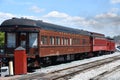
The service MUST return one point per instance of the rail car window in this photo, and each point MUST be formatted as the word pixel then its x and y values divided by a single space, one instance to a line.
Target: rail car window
pixel 83 41
pixel 11 40
pixel 23 39
pixel 44 40
pixel 57 40
pixel 78 41
pixel 62 41
pixel 66 41
pixel 75 41
pixel 52 40
pixel 33 40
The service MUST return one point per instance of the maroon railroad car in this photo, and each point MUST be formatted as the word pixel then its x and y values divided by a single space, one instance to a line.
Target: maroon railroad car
pixel 43 41
pixel 101 44
pixel 110 45
pixel 50 43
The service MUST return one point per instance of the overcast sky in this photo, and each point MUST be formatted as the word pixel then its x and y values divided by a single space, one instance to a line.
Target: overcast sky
pixel 101 16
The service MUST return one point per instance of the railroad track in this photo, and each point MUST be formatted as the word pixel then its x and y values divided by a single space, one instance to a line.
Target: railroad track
pixel 102 75
pixel 67 73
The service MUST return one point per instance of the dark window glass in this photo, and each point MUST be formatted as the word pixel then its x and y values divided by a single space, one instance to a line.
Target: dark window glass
pixel 52 40
pixel 44 40
pixel 57 41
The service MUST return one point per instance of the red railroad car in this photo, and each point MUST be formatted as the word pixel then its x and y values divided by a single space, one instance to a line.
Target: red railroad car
pixel 48 43
pixel 101 44
pixel 110 45
pixel 43 41
pixel 60 43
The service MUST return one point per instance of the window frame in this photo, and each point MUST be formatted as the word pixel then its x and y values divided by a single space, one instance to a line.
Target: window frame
pixel 44 40
pixel 11 44
pixel 52 40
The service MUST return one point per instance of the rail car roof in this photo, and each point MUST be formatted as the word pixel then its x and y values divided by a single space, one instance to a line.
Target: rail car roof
pixel 42 25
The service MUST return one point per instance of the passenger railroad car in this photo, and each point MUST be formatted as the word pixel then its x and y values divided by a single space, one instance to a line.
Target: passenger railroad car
pixel 49 43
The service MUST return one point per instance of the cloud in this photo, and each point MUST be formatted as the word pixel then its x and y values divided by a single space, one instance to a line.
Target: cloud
pixel 106 23
pixel 108 19
pixel 65 19
pixel 106 16
pixel 115 1
pixel 37 9
pixel 56 14
pixel 4 16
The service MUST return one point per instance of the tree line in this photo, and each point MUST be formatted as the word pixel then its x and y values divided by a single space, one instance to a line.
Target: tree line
pixel 1 39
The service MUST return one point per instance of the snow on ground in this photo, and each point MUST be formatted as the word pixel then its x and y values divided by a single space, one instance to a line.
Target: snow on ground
pixel 113 76
pixel 77 77
pixel 61 66
pixel 92 73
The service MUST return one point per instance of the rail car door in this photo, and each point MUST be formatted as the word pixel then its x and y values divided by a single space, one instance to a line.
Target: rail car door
pixel 33 44
pixel 23 39
pixel 33 40
pixel 29 41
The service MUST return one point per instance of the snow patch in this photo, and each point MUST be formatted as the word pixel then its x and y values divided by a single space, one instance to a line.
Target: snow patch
pixel 92 73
